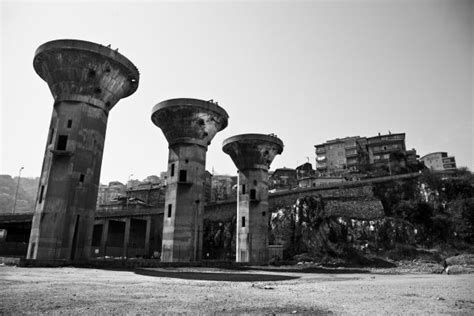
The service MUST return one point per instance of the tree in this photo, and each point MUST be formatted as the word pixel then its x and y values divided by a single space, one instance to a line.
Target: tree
pixel 461 212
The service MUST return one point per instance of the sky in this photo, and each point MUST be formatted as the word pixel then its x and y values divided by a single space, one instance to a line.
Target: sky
pixel 307 71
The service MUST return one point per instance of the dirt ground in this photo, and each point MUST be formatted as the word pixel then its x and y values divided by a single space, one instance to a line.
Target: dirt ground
pixel 218 291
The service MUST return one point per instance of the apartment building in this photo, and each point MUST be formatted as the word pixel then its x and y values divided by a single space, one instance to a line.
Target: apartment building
pixel 439 161
pixel 383 148
pixel 340 155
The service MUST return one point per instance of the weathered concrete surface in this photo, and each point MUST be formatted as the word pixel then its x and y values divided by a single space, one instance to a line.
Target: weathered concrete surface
pixel 189 125
pixel 86 81
pixel 91 291
pixel 252 151
pixel 252 154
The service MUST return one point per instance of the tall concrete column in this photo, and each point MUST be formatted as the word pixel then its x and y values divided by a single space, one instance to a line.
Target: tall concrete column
pixel 126 237
pixel 104 237
pixel 86 81
pixel 189 125
pixel 147 235
pixel 252 154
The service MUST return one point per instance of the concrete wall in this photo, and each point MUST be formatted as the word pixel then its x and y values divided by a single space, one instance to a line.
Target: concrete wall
pixel 356 202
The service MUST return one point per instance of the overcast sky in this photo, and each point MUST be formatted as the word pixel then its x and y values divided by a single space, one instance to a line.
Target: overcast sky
pixel 305 71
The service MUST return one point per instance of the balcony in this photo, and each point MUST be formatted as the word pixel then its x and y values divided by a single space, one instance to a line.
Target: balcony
pixel 321 166
pixel 387 139
pixel 449 166
pixel 379 150
pixel 380 159
pixel 352 162
pixel 350 145
pixel 320 150
pixel 449 160
pixel 351 153
pixel 58 153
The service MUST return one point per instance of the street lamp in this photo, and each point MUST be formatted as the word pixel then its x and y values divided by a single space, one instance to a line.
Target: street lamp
pixel 16 193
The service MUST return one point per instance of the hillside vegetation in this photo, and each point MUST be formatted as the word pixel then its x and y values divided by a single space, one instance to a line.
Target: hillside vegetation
pixel 430 217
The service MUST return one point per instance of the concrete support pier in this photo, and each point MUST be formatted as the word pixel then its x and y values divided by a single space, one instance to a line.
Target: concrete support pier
pixel 86 81
pixel 252 154
pixel 189 125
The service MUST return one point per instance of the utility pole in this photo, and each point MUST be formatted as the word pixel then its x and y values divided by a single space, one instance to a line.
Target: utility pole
pixel 237 241
pixel 127 189
pixel 16 193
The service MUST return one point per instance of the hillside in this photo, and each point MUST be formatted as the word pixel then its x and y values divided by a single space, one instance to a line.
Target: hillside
pixel 26 194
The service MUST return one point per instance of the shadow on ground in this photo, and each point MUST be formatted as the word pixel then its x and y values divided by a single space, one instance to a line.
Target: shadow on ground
pixel 214 276
pixel 321 270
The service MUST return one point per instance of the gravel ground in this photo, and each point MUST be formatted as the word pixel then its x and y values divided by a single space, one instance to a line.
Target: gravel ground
pixel 218 291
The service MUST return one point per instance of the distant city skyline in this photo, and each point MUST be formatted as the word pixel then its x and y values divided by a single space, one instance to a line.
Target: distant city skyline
pixel 307 71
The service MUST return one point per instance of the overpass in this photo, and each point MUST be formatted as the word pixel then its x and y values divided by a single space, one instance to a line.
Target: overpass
pixel 137 229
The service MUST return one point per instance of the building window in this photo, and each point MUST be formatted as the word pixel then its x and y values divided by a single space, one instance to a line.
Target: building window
pixel 81 178
pixel 51 136
pixel 263 213
pixel 41 194
pixel 243 221
pixel 253 194
pixel 62 142
pixel 172 170
pixel 170 208
pixel 182 175
pixel 69 123
pixel 243 188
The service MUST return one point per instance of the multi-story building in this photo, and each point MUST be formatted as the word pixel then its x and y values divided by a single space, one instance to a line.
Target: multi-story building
pixel 412 157
pixel 304 170
pixel 383 149
pixel 110 192
pixel 341 155
pixel 283 178
pixel 439 161
pixel 116 190
pixel 354 157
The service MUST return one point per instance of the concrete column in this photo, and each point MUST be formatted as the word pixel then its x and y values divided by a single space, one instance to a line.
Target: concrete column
pixel 126 237
pixel 252 154
pixel 147 235
pixel 103 239
pixel 189 125
pixel 86 81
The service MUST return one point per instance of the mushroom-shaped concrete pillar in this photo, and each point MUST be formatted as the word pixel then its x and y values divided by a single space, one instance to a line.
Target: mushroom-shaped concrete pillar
pixel 86 80
pixel 252 154
pixel 189 126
